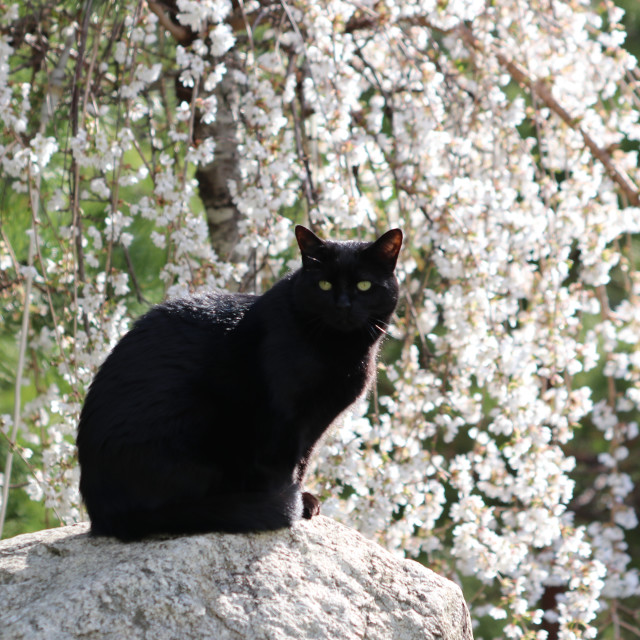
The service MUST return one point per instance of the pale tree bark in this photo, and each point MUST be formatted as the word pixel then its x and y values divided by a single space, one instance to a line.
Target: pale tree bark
pixel 213 178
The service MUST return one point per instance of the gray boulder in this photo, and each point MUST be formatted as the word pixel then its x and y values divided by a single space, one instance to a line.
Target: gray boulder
pixel 318 580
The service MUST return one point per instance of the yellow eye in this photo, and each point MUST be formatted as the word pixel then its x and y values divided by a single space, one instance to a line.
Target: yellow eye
pixel 363 285
pixel 325 285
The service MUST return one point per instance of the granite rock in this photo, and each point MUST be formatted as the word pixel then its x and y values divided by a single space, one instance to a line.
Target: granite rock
pixel 318 580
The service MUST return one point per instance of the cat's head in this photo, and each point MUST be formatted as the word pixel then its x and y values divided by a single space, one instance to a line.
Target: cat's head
pixel 348 286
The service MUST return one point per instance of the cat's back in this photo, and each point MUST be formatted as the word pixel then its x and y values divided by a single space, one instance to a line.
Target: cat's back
pixel 166 360
pixel 179 332
pixel 213 312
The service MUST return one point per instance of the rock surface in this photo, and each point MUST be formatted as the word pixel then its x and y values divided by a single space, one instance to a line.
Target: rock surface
pixel 319 580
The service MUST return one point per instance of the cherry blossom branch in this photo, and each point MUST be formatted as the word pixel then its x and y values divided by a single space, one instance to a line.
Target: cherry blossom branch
pixel 180 33
pixel 540 89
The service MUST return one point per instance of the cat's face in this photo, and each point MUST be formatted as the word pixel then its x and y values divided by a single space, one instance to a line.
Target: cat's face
pixel 348 286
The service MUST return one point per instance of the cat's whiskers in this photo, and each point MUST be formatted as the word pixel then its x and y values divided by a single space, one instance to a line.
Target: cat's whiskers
pixel 380 325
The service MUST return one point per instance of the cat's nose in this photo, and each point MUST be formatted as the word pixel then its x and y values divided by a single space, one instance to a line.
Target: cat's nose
pixel 343 301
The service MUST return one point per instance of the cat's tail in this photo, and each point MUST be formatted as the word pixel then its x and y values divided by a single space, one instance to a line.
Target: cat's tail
pixel 231 513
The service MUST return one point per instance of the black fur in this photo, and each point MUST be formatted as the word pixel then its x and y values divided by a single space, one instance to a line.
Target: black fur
pixel 205 414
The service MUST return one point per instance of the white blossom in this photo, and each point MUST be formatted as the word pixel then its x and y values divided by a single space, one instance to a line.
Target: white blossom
pixel 496 135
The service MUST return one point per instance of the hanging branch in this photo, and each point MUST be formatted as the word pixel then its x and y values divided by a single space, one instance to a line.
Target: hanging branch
pixel 540 89
pixel 22 350
pixel 310 193
pixel 48 109
pixel 537 87
pixel 180 33
pixel 75 100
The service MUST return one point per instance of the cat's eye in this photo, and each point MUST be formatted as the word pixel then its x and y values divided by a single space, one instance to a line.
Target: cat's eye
pixel 325 285
pixel 364 285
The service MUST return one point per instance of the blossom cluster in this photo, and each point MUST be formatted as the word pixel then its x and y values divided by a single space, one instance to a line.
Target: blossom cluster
pixel 497 445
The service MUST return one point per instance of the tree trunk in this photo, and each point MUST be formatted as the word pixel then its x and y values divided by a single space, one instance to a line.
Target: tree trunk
pixel 213 178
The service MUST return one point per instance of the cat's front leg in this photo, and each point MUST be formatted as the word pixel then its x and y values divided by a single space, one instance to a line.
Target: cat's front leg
pixel 310 505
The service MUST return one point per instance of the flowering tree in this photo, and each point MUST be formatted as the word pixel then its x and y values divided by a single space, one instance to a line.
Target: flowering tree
pixel 153 148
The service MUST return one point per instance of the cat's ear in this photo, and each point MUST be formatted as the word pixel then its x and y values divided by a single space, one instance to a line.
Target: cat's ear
pixel 309 243
pixel 386 248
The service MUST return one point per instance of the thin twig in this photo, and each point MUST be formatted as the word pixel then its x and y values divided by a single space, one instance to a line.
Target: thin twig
pixel 75 168
pixel 22 349
pixel 310 193
pixel 134 279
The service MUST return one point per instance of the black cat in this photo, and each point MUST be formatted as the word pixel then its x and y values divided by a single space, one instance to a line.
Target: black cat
pixel 205 414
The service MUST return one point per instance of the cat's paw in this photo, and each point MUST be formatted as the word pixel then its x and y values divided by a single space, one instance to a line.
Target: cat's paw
pixel 310 505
